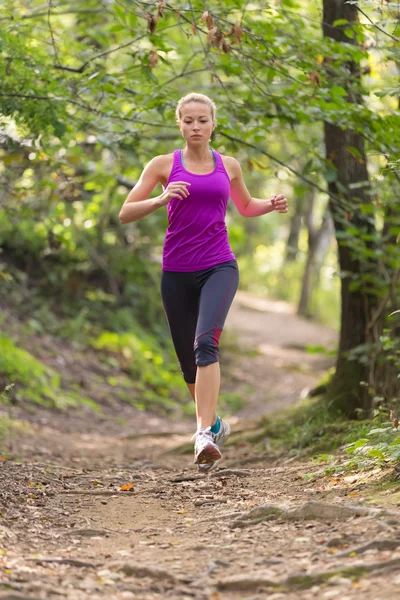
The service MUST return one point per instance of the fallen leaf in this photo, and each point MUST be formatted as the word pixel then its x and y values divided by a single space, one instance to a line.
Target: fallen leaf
pixel 126 487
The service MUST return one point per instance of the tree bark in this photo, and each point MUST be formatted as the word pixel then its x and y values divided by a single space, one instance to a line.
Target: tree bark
pixel 318 244
pixel 292 244
pixel 348 392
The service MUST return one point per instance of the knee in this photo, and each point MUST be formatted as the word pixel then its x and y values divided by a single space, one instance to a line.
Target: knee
pixel 206 348
pixel 188 371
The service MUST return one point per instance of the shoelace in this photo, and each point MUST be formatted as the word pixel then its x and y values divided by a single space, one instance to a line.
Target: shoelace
pixel 203 432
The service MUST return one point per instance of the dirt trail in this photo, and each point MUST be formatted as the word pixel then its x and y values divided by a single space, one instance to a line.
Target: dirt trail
pixel 68 531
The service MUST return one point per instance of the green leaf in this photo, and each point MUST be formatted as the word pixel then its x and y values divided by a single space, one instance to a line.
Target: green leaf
pixel 120 13
pixel 339 22
pixel 330 175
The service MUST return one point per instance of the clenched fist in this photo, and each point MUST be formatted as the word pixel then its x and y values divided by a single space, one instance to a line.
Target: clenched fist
pixel 175 189
pixel 279 203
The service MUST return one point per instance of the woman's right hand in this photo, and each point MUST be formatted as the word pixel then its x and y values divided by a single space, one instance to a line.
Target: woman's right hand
pixel 175 189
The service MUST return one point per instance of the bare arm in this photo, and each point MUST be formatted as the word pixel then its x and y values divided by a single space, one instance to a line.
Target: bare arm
pixel 248 206
pixel 138 204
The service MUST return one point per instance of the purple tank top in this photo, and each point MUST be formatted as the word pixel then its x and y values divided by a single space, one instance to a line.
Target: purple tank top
pixel 196 237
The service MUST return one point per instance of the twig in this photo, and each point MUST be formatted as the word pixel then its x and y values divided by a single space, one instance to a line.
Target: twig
pixel 65 561
pixel 393 37
pixel 210 502
pixel 378 544
pixel 53 41
pixel 280 162
pixel 229 472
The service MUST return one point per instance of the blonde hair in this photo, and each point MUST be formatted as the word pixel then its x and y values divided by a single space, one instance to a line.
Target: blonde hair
pixel 193 97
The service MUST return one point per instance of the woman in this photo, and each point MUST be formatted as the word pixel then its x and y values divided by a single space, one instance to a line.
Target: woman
pixel 199 272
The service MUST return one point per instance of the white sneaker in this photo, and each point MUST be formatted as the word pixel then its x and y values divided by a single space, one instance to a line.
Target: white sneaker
pixel 223 433
pixel 206 451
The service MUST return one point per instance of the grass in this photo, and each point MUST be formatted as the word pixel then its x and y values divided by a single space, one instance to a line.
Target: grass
pixel 33 381
pixel 310 431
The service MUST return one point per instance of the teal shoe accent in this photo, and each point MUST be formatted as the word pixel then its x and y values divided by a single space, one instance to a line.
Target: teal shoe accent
pixel 217 425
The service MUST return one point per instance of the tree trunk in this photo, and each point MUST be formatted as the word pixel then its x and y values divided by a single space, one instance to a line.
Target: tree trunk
pixel 348 392
pixel 300 210
pixel 318 244
pixel 387 371
pixel 292 244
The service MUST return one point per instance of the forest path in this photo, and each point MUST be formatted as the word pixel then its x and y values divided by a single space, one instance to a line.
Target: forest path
pixel 68 530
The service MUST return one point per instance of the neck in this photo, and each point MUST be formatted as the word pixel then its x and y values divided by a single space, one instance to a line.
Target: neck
pixel 197 153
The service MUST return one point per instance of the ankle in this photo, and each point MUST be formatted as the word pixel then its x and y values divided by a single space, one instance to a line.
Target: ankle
pixel 217 425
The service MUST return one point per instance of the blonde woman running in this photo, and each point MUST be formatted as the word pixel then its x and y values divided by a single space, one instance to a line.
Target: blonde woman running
pixel 199 272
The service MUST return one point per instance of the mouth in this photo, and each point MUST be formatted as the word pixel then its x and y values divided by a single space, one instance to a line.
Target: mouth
pixel 195 136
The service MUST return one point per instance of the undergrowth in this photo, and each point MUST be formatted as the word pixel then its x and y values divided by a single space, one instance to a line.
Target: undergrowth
pixel 137 366
pixel 33 380
pixel 311 430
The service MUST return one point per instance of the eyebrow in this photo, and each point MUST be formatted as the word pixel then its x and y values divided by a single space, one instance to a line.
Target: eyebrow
pixel 190 117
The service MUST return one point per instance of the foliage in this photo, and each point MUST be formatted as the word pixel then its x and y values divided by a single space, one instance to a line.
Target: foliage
pixel 380 446
pixel 33 381
pixel 159 380
pixel 267 274
pixel 88 97
pixel 312 429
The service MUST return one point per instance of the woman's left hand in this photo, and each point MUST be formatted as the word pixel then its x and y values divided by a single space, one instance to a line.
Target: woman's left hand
pixel 279 203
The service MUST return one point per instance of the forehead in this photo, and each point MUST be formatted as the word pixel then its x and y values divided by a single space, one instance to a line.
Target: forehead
pixel 195 109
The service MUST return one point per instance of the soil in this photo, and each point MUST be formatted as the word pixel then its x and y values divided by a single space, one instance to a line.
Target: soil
pixel 111 506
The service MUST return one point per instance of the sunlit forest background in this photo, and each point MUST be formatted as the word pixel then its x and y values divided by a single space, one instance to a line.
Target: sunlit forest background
pixel 307 96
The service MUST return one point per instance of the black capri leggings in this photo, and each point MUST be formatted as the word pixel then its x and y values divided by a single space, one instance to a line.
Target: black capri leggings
pixel 196 306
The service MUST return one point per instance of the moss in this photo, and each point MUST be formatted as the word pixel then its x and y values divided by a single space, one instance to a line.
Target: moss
pixel 384 492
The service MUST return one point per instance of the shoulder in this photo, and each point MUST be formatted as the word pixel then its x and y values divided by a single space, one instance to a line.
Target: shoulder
pixel 161 161
pixel 160 166
pixel 232 166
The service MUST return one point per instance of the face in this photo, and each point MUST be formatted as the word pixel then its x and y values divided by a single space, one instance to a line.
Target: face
pixel 196 122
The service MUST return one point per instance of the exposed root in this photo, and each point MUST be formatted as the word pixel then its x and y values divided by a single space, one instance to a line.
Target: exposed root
pixel 137 570
pixel 255 515
pixel 182 478
pixel 64 561
pixel 210 502
pixel 91 492
pixel 309 510
pixel 229 472
pixel 86 532
pixel 17 596
pixel 378 544
pixel 254 581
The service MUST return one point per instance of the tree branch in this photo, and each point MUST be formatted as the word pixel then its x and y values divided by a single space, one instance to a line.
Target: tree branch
pixel 393 37
pixel 53 41
pixel 82 68
pixel 64 12
pixel 280 162
pixel 88 108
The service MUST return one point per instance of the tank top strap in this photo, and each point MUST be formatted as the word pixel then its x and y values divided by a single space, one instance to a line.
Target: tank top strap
pixel 176 164
pixel 220 163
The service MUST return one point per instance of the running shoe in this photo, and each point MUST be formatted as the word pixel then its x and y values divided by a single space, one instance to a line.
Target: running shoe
pixel 223 433
pixel 219 438
pixel 206 451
